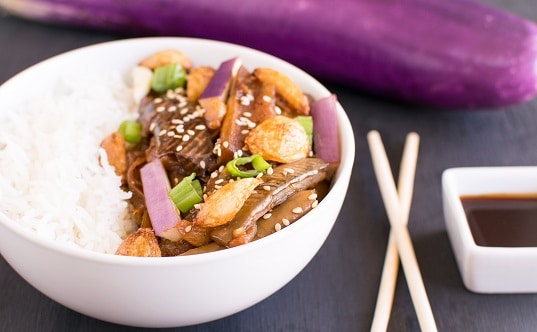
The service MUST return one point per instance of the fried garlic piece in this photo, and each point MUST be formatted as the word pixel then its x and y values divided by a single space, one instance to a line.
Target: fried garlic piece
pixel 166 57
pixel 115 147
pixel 142 243
pixel 280 139
pixel 286 87
pixel 198 78
pixel 223 204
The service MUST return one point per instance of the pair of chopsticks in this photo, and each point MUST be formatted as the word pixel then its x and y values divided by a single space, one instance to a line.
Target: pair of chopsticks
pixel 397 204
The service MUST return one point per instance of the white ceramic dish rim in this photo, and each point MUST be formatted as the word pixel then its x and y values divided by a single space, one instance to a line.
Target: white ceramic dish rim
pixel 344 170
pixel 456 205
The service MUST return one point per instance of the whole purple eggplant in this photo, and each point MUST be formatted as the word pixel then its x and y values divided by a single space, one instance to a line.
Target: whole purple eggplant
pixel 439 53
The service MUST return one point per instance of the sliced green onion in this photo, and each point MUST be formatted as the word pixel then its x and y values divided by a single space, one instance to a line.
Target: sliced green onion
pixel 131 131
pixel 258 163
pixel 187 193
pixel 168 77
pixel 307 122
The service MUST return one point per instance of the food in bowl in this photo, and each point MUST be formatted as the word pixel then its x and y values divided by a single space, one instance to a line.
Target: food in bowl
pixel 116 288
pixel 213 155
pixel 205 157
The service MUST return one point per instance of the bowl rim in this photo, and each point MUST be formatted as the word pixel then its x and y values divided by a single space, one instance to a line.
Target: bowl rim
pixel 339 184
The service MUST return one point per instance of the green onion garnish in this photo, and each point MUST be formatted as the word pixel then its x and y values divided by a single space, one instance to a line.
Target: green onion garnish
pixel 306 122
pixel 131 131
pixel 168 77
pixel 258 163
pixel 187 193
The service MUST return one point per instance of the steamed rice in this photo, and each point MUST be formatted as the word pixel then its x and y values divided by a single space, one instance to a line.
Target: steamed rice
pixel 51 180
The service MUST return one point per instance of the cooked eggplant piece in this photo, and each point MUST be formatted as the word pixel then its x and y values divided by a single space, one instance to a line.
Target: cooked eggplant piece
pixel 250 103
pixel 173 248
pixel 180 137
pixel 286 213
pixel 213 98
pixel 210 247
pixel 285 181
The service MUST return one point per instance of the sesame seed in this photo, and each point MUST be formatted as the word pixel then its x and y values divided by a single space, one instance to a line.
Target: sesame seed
pixel 177 121
pixel 225 144
pixel 239 123
pixel 177 136
pixel 277 227
pixel 278 110
pixel 245 101
pixel 152 126
pixel 183 111
pixel 239 153
pixel 247 114
pixel 188 228
pixel 267 98
pixel 315 203
pixel 202 164
pixel 160 109
pixel 270 171
pixel 179 148
pixel 162 132
pixel 298 210
pixel 245 131
pixel 259 175
pixel 217 186
pixel 267 188
pixel 312 197
pixel 214 174
pixel 191 132
pixel 157 100
pixel 232 180
pixel 197 206
pixel 200 127
pixel 219 152
pixel 267 215
pixel 221 169
pixel 170 133
pixel 170 94
pixel 285 222
pixel 179 129
pixel 186 138
pixel 205 196
pixel 172 108
pixel 289 170
pixel 218 181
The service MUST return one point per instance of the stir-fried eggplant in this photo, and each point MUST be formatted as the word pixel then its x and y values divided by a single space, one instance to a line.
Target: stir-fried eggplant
pixel 250 180
pixel 180 137
pixel 286 213
pixel 286 180
pixel 250 103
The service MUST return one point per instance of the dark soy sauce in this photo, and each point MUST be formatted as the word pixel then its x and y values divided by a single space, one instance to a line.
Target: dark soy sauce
pixel 502 220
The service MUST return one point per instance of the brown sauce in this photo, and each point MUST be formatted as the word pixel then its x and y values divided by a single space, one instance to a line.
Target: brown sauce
pixel 502 220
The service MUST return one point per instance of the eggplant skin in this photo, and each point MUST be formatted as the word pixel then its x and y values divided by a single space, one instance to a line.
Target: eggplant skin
pixel 436 53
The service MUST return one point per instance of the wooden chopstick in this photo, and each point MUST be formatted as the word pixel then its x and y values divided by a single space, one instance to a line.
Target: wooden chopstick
pixel 391 262
pixel 400 233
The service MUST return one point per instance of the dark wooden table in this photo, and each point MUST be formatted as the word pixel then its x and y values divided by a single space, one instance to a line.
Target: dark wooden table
pixel 337 290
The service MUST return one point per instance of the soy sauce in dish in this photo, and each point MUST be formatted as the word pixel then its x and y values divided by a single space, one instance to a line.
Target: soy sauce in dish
pixel 502 220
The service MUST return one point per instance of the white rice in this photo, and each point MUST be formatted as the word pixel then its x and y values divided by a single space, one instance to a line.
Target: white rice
pixel 51 180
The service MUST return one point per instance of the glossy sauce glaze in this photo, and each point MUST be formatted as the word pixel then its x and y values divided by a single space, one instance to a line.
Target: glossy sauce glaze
pixel 502 220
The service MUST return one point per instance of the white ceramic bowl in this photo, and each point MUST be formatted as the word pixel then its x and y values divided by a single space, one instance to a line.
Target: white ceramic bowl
pixel 186 290
pixel 488 269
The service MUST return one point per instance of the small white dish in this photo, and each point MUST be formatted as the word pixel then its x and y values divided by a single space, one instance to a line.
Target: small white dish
pixel 488 269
